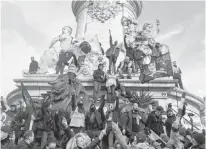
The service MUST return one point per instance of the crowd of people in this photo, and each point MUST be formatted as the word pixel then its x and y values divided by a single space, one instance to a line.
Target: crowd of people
pixel 41 126
pixel 116 128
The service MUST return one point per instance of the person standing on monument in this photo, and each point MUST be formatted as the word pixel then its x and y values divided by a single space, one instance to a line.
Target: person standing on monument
pixel 99 76
pixel 34 66
pixel 126 67
pixel 154 120
pixel 177 75
pixel 112 53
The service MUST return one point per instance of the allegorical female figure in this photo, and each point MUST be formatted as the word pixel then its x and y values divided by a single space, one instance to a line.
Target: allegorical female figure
pixel 51 56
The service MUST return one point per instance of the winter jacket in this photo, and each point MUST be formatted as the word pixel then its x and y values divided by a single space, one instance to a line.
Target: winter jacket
pixel 113 50
pixel 177 72
pixel 98 75
pixel 168 124
pixel 129 50
pixel 33 67
pixel 154 123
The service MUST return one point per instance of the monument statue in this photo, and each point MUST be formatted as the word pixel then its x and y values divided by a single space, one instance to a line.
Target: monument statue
pixel 50 57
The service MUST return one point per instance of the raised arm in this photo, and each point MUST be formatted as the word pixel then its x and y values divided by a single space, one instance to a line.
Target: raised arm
pixel 100 109
pixel 54 41
pixel 117 103
pixel 125 42
pixel 110 39
pixel 74 105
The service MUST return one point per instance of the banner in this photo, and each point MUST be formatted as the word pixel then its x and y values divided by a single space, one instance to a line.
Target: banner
pixel 27 98
pixel 158 67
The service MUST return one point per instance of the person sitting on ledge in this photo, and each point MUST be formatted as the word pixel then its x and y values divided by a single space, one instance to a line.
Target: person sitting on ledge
pixel 126 67
pixel 33 67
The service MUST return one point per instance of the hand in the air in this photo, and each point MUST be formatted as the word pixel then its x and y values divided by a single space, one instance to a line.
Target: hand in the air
pixel 115 127
pixel 103 133
pixel 64 122
pixel 32 117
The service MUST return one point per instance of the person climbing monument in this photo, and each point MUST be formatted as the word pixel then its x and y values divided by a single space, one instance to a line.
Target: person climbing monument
pixel 113 52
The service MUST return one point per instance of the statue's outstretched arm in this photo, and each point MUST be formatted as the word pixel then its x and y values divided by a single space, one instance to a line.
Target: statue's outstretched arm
pixel 54 41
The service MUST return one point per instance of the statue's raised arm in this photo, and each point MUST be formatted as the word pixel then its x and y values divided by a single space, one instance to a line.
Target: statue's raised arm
pixel 65 38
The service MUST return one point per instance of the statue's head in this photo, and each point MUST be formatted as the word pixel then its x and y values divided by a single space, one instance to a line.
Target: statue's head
pixel 67 29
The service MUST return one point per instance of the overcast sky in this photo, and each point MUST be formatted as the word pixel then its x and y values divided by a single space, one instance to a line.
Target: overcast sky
pixel 28 27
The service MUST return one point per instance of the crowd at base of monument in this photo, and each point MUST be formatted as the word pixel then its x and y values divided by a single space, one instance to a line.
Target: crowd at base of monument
pixel 61 121
pixel 40 126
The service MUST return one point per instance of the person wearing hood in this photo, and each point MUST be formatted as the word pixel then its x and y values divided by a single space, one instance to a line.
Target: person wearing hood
pixel 169 121
pixel 94 119
pixel 198 141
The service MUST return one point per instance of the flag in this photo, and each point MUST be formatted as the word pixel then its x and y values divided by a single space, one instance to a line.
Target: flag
pixel 153 136
pixel 27 98
pixel 158 67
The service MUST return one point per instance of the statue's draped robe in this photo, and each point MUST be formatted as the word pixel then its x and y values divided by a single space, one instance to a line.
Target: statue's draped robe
pixel 62 90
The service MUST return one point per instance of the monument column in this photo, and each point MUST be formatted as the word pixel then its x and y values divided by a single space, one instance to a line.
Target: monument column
pixel 79 8
pixel 81 24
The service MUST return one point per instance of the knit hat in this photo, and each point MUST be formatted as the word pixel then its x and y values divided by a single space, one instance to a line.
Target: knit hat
pixel 200 138
pixel 72 69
